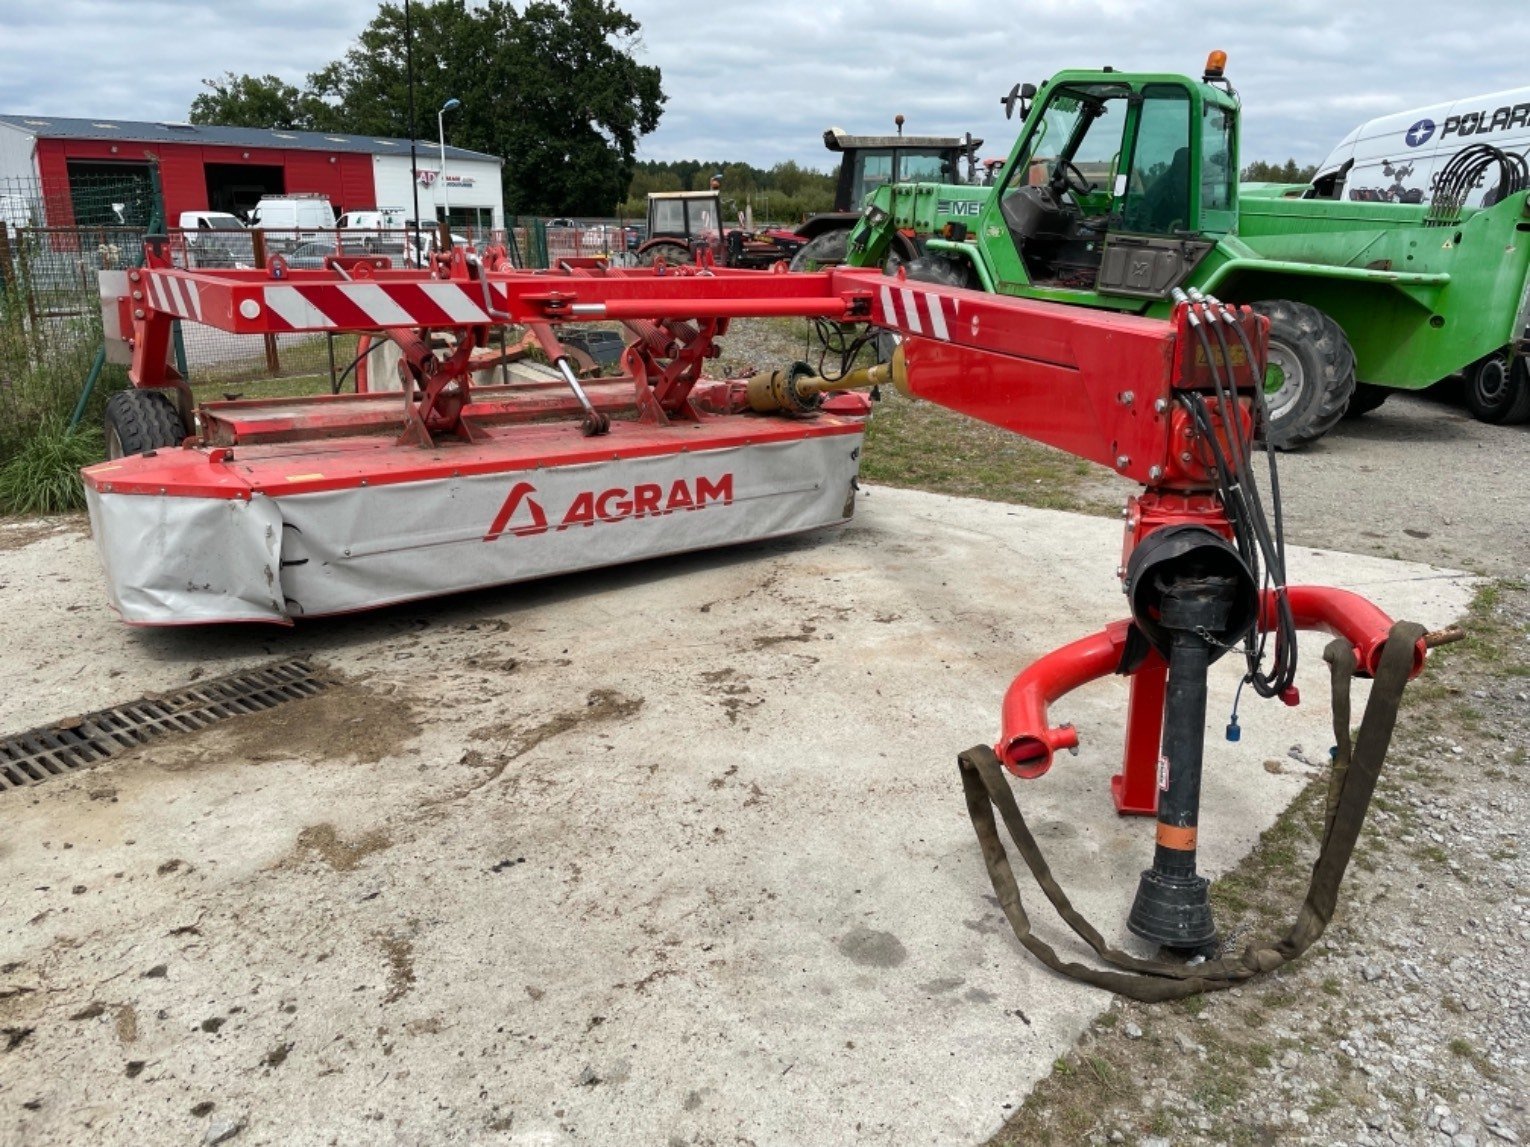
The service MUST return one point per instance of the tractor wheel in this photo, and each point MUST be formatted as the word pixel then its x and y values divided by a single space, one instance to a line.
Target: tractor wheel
pixel 138 421
pixel 1498 389
pixel 940 269
pixel 672 253
pixel 1367 397
pixel 826 250
pixel 1309 376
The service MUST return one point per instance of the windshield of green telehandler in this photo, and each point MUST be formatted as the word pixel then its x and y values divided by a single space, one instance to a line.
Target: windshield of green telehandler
pixel 1082 124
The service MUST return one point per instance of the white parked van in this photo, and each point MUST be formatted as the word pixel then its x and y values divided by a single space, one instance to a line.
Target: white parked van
pixel 293 217
pixel 216 239
pixel 381 219
pixel 1398 158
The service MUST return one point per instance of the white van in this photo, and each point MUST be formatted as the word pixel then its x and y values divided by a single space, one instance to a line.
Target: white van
pixel 1398 158
pixel 216 239
pixel 294 217
pixel 380 219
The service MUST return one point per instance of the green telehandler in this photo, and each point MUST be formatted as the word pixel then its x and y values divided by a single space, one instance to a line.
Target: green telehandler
pixel 1123 186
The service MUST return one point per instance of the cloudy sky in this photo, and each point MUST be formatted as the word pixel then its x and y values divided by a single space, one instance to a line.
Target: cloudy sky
pixel 759 82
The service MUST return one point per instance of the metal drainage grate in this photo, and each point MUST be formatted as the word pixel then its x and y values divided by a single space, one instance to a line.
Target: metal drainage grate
pixel 54 750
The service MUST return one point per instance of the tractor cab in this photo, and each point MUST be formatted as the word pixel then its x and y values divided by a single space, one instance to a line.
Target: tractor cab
pixel 1116 180
pixel 872 161
pixel 687 216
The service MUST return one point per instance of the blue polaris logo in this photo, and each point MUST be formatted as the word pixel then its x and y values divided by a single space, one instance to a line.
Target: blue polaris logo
pixel 1420 133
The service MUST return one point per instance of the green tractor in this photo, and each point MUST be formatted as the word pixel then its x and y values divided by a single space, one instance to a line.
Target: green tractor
pixel 868 162
pixel 1123 186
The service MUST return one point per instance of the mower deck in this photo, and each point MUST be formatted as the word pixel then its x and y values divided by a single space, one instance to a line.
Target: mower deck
pixel 268 530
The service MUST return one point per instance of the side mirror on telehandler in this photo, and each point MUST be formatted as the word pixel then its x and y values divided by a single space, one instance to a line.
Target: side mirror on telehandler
pixel 1021 94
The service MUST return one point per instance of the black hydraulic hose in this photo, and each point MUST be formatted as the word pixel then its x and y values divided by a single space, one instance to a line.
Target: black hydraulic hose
pixel 375 342
pixel 1252 531
pixel 1460 175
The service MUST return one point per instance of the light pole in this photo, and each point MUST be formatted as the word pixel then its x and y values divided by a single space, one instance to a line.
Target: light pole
pixel 450 105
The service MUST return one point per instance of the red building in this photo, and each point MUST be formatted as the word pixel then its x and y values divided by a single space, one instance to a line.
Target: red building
pixel 208 168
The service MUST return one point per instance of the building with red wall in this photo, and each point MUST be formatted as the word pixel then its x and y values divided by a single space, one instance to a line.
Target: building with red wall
pixel 205 167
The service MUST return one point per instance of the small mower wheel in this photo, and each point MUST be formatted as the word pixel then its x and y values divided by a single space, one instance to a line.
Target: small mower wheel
pixel 1367 397
pixel 138 421
pixel 826 250
pixel 1498 389
pixel 594 425
pixel 1309 376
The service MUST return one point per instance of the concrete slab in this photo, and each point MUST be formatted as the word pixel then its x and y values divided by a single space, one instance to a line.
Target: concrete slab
pixel 672 853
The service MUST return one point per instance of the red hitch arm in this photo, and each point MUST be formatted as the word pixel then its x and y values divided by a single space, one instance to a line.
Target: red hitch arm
pixel 1028 740
pixel 1343 614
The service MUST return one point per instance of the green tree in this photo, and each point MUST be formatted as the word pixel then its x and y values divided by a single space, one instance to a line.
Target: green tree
pixel 259 101
pixel 552 87
pixel 1288 172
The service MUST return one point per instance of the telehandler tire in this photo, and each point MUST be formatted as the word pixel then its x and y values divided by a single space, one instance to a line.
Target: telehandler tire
pixel 1498 389
pixel 1310 374
pixel 138 421
pixel 1367 397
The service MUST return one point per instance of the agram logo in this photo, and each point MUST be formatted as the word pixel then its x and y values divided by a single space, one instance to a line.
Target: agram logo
pixel 614 504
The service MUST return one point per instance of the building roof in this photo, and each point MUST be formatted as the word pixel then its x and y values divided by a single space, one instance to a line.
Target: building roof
pixel 141 131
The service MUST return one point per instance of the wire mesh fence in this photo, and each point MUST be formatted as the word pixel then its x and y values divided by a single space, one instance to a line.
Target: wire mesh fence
pixel 51 250
pixel 53 247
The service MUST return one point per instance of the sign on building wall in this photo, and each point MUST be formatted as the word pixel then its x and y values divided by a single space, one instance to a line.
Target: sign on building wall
pixel 429 178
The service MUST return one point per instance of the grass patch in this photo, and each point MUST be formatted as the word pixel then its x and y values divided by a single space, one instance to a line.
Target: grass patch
pixel 919 445
pixel 43 367
pixel 1192 1005
pixel 1463 1049
pixel 43 475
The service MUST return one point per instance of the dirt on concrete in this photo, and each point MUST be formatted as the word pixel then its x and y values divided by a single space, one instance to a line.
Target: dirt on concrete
pixel 349 721
pixel 18 532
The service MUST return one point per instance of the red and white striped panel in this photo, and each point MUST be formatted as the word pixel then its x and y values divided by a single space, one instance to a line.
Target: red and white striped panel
pixel 916 310
pixel 174 295
pixel 358 306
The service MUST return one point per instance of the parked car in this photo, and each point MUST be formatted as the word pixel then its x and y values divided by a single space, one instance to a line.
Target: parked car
pixel 310 256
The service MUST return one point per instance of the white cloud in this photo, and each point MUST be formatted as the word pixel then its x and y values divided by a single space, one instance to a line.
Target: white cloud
pixel 761 82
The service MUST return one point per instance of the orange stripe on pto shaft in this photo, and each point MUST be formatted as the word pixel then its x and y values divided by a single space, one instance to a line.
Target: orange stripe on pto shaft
pixel 1180 839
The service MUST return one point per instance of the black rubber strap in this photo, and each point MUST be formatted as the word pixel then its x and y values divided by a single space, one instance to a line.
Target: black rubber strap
pixel 1351 785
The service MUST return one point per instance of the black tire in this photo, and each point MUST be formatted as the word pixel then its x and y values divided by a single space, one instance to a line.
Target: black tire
pixel 826 250
pixel 1312 370
pixel 672 253
pixel 138 421
pixel 1367 397
pixel 940 269
pixel 1498 389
